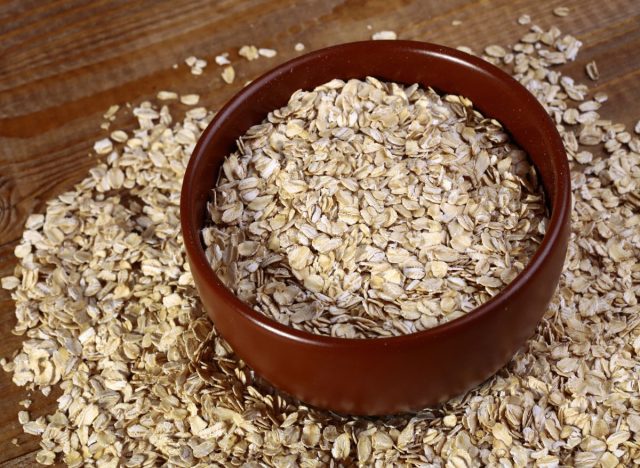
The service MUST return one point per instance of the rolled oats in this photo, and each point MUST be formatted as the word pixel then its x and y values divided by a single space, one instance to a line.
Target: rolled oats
pixel 228 74
pixel 195 64
pixel 561 11
pixel 167 95
pixel 106 260
pixel 384 35
pixel 342 211
pixel 250 52
pixel 222 59
pixel 189 99
pixel 269 53
pixel 103 146
pixel 592 70
pixel 524 19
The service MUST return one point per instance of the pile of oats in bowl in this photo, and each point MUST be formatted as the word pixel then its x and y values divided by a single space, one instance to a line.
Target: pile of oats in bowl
pixel 107 305
pixel 369 209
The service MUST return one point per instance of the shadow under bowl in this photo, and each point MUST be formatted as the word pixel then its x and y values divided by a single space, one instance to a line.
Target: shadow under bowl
pixel 403 373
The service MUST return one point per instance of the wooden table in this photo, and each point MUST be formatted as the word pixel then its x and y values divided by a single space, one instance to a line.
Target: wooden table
pixel 64 62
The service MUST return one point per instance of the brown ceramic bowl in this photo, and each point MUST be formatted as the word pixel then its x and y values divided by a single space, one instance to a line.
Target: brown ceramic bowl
pixel 385 375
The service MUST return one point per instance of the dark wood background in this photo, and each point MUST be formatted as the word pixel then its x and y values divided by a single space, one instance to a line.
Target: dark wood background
pixel 64 62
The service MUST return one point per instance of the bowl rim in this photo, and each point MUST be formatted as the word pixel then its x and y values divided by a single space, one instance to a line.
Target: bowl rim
pixel 560 203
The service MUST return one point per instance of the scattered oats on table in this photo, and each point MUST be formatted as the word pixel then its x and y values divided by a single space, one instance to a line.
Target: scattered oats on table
pixel 228 74
pixel 111 112
pixel 371 209
pixel 250 52
pixel 103 146
pixel 146 384
pixel 189 99
pixel 524 19
pixel 119 136
pixel 195 64
pixel 592 70
pixel 166 95
pixel 561 11
pixel 268 53
pixel 495 51
pixel 384 35
pixel 222 59
pixel 466 50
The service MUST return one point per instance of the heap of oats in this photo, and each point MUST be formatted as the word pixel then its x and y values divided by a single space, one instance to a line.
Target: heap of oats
pixel 106 302
pixel 366 209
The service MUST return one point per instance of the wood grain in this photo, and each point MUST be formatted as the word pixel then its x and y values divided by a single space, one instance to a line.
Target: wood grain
pixel 64 62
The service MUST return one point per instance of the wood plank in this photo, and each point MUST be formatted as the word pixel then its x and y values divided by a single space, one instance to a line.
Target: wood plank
pixel 64 62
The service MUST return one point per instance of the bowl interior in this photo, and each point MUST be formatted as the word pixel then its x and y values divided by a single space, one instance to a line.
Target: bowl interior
pixel 492 91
